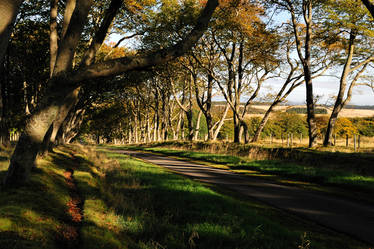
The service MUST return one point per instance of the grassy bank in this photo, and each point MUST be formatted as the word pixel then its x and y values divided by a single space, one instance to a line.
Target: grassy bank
pixel 324 177
pixel 360 162
pixel 131 204
pixel 172 211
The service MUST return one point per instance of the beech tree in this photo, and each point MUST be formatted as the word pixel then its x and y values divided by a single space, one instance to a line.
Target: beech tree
pixel 64 85
pixel 350 32
pixel 291 72
pixel 370 6
pixel 248 62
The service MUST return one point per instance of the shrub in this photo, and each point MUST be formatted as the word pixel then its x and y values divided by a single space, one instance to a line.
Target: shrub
pixel 303 110
pixel 344 127
pixel 289 123
pixel 365 127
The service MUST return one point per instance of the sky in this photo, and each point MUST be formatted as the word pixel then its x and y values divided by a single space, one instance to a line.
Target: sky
pixel 326 87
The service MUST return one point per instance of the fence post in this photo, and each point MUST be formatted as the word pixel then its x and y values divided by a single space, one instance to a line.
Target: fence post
pixel 282 138
pixel 335 139
pixel 359 141
pixel 354 142
pixel 346 140
pixel 288 140
pixel 291 139
pixel 271 138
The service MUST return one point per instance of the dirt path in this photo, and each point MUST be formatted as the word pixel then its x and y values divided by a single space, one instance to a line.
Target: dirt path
pixel 69 233
pixel 342 215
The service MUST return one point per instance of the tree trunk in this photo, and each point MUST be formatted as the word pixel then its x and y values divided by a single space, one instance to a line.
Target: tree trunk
pixel 245 131
pixel 8 13
pixel 197 127
pixel 190 126
pixel 339 102
pixel 4 129
pixel 70 127
pixel 53 36
pixel 64 109
pixel 236 130
pixel 179 124
pixel 29 144
pixel 148 128
pixel 263 123
pixel 221 122
pixel 182 128
pixel 370 6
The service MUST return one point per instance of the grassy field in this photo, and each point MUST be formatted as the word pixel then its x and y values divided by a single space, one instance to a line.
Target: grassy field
pixel 131 204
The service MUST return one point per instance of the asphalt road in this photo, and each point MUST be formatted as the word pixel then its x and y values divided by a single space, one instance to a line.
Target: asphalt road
pixel 342 215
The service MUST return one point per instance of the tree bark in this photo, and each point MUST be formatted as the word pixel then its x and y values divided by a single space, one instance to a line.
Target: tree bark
pixel 28 146
pixel 69 9
pixel 197 126
pixel 220 123
pixel 8 14
pixel 340 101
pixel 306 62
pixel 53 36
pixel 63 112
pixel 370 6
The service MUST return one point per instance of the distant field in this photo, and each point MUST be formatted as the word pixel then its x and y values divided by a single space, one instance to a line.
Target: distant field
pixel 349 113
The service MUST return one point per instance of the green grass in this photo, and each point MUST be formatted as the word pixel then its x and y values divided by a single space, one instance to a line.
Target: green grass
pixel 30 215
pixel 359 186
pixel 132 204
pixel 165 210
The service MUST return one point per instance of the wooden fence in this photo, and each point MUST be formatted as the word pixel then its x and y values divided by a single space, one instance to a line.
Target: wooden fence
pixel 14 136
pixel 354 142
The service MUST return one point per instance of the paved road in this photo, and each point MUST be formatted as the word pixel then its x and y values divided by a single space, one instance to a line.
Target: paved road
pixel 342 215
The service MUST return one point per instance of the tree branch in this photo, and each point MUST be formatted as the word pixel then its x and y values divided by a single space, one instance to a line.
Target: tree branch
pixel 140 62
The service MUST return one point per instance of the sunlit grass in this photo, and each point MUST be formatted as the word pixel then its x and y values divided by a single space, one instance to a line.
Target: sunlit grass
pixel 286 172
pixel 31 214
pixel 164 210
pixel 132 204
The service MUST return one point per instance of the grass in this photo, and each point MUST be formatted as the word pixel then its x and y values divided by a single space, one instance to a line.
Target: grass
pixel 323 177
pixel 132 204
pixel 30 215
pixel 165 210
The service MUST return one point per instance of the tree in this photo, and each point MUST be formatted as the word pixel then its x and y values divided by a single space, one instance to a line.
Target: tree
pixel 247 50
pixel 8 13
pixel 348 18
pixel 64 85
pixel 303 33
pixel 22 85
pixel 292 74
pixel 370 6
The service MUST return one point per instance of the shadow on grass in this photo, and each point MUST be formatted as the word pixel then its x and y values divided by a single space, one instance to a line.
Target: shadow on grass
pixel 33 215
pixel 176 212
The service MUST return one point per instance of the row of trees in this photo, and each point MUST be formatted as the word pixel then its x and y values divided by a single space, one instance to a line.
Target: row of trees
pixel 55 63
pixel 239 53
pixel 140 120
